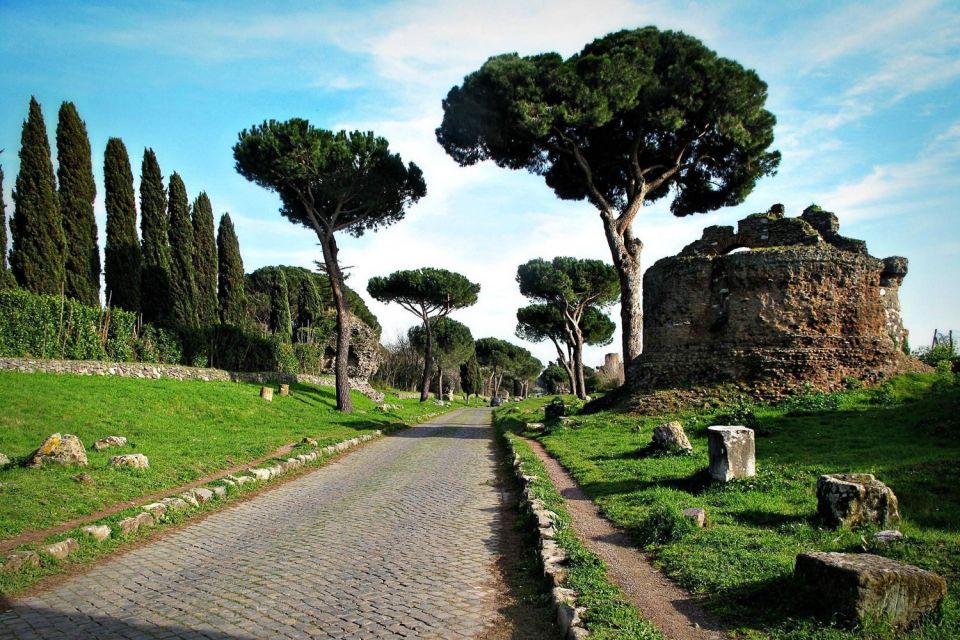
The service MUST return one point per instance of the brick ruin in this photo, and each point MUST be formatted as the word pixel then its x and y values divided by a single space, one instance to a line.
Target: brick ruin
pixel 775 305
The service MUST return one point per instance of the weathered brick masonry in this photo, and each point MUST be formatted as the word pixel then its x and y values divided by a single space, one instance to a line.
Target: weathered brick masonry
pixel 802 304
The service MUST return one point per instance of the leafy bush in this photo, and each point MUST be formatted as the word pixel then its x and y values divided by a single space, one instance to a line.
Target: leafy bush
pixel 884 396
pixel 742 413
pixel 309 357
pixel 665 523
pixel 157 344
pixel 936 354
pixel 810 402
pixel 43 326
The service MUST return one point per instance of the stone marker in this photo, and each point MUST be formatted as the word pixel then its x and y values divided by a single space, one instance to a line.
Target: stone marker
pixel 16 560
pixel 60 550
pixel 57 449
pixel 109 441
pixel 189 498
pixel 671 437
pixel 886 537
pixel 861 586
pixel 4 461
pixel 203 494
pixel 132 460
pixel 266 393
pixel 156 508
pixel 284 390
pixel 854 499
pixel 732 452
pixel 98 532
pixel 219 491
pixel 697 516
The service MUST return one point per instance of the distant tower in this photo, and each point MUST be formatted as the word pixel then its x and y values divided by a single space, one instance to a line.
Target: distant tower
pixel 613 367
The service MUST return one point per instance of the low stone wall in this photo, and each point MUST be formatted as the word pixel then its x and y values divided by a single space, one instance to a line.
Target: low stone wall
pixel 145 370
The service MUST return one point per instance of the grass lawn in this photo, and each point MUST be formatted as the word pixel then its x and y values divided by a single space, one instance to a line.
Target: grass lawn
pixel 906 433
pixel 188 430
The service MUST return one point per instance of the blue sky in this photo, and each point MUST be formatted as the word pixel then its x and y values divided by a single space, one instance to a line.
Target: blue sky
pixel 866 96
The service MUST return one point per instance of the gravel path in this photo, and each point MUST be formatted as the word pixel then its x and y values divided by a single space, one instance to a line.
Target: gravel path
pixel 671 609
pixel 398 539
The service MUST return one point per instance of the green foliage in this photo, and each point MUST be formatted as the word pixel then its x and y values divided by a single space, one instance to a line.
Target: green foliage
pixel 205 261
pixel 122 259
pixel 425 292
pixel 39 244
pixel 810 402
pixel 280 322
pixel 77 193
pixel 569 283
pixel 453 343
pixel 230 279
pixel 503 357
pixel 628 102
pixel 665 523
pixel 471 380
pixel 6 278
pixel 43 326
pixel 183 280
pixel 356 183
pixel 155 301
pixel 555 379
pixel 936 354
pixel 159 344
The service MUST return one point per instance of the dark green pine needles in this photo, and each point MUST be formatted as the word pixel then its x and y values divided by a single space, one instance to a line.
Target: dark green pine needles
pixel 183 283
pixel 155 282
pixel 122 252
pixel 39 245
pixel 205 261
pixel 77 192
pixel 6 278
pixel 230 274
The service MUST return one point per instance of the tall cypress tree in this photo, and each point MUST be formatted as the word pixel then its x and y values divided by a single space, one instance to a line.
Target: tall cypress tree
pixel 280 322
pixel 155 273
pixel 230 275
pixel 6 278
pixel 77 193
pixel 183 280
pixel 205 261
pixel 39 244
pixel 122 252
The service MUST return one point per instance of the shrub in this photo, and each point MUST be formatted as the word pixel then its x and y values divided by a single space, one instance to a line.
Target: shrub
pixel 810 402
pixel 665 523
pixel 160 345
pixel 310 357
pixel 45 326
pixel 742 413
pixel 936 354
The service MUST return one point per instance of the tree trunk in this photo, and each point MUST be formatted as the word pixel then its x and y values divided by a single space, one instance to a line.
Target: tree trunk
pixel 427 362
pixel 625 250
pixel 440 383
pixel 581 388
pixel 335 276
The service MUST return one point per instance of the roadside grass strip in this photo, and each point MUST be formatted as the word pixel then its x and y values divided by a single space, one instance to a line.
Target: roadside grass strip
pixel 587 602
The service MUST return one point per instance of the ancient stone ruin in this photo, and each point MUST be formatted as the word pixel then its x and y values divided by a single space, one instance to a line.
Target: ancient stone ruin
pixel 778 303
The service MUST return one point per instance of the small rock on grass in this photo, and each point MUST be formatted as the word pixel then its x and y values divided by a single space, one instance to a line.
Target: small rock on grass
pixel 696 515
pixel 132 460
pixel 203 495
pixel 310 441
pixel 17 560
pixel 219 491
pixel 84 478
pixel 109 441
pixel 886 537
pixel 98 532
pixel 60 550
pixel 60 449
pixel 4 460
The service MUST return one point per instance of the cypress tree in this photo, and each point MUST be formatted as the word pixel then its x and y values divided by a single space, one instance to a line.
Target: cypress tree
pixel 205 261
pixel 230 275
pixel 6 278
pixel 122 253
pixel 155 273
pixel 77 193
pixel 280 322
pixel 183 280
pixel 39 245
pixel 310 305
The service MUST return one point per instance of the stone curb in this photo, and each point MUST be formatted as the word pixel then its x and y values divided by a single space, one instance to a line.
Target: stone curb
pixel 152 513
pixel 553 557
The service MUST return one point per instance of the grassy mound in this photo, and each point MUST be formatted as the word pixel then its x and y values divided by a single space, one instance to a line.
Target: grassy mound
pixel 905 432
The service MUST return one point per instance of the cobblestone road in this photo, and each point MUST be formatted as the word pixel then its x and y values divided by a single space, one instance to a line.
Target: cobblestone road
pixel 397 539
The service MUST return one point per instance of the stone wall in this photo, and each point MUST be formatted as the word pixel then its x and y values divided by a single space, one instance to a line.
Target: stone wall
pixel 798 304
pixel 144 370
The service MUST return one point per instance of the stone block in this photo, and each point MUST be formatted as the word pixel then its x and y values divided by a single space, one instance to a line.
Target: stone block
pixel 697 516
pixel 309 441
pixel 856 499
pixel 554 411
pixel 109 441
pixel 266 393
pixel 132 460
pixel 17 560
pixel 59 449
pixel 284 390
pixel 732 452
pixel 4 461
pixel 888 536
pixel 189 498
pixel 862 586
pixel 219 491
pixel 60 550
pixel 670 437
pixel 158 509
pixel 98 532
pixel 203 494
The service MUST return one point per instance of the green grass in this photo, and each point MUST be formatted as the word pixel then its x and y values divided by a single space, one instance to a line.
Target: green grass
pixel 609 616
pixel 906 433
pixel 188 430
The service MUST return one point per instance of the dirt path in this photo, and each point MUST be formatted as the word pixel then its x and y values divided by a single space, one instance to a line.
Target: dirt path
pixel 670 608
